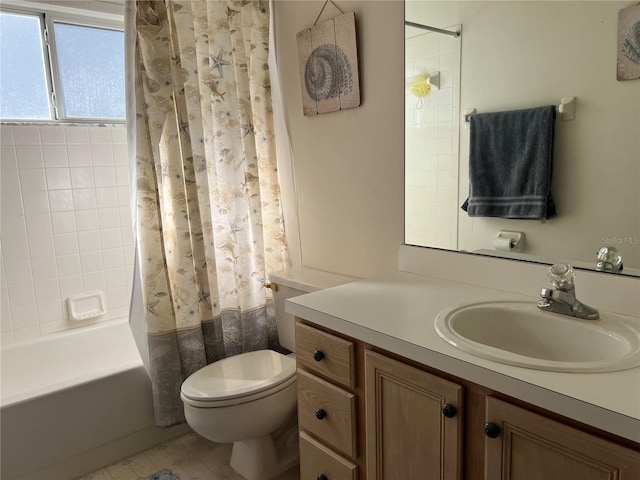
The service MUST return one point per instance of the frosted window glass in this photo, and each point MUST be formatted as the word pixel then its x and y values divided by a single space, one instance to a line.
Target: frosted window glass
pixel 23 85
pixel 91 64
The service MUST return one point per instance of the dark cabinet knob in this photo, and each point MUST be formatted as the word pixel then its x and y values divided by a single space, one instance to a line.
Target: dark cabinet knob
pixel 318 355
pixel 320 414
pixel 449 410
pixel 491 430
pixel 322 476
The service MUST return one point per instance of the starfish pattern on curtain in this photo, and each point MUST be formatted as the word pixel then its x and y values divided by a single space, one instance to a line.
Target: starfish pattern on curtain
pixel 209 219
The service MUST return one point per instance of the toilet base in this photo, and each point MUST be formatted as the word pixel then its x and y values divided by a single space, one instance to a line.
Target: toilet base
pixel 266 457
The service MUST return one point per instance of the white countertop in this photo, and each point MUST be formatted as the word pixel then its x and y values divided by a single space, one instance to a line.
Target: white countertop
pixel 397 314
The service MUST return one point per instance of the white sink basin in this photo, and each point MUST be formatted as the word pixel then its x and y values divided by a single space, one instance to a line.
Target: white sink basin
pixel 517 333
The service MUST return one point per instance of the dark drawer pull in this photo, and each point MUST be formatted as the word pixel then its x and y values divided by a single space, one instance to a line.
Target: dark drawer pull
pixel 320 414
pixel 318 355
pixel 491 430
pixel 449 410
pixel 322 476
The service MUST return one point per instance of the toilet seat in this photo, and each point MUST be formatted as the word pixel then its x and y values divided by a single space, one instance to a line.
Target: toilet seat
pixel 239 379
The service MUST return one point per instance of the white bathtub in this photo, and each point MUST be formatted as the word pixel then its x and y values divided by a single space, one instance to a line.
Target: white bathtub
pixel 73 402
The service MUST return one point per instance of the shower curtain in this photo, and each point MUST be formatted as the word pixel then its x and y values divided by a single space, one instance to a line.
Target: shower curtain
pixel 209 221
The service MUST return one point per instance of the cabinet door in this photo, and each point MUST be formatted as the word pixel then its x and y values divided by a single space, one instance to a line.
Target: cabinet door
pixel 407 435
pixel 529 446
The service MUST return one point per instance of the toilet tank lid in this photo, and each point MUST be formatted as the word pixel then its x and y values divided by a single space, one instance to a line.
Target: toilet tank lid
pixel 308 279
pixel 238 376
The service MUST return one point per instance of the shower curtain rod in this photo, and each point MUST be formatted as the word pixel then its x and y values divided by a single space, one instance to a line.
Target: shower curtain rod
pixel 432 29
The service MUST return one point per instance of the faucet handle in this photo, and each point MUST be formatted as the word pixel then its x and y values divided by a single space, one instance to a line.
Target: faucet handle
pixel 561 276
pixel 609 260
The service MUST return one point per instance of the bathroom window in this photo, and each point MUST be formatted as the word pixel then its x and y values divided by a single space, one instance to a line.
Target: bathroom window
pixel 55 67
pixel 23 80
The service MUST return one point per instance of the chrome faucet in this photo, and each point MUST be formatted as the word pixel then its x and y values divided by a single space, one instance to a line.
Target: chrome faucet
pixel 609 260
pixel 563 299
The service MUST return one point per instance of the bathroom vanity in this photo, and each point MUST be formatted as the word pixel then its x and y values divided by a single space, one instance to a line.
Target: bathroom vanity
pixel 381 395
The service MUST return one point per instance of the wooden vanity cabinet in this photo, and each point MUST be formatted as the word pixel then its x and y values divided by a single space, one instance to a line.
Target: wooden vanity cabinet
pixel 328 412
pixel 318 460
pixel 379 417
pixel 529 446
pixel 413 422
pixel 327 406
pixel 390 418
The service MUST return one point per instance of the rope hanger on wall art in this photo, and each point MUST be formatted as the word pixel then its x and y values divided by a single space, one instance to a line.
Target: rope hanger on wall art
pixel 323 7
pixel 328 62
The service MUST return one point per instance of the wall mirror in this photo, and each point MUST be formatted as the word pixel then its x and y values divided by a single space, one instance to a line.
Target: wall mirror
pixel 514 55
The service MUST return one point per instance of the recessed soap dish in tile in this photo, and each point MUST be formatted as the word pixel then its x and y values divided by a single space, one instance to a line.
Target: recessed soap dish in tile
pixel 86 306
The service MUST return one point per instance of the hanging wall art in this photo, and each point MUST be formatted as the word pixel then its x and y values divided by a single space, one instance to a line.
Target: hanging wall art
pixel 629 43
pixel 328 58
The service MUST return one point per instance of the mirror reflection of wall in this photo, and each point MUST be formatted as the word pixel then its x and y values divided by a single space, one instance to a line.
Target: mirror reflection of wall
pixel 518 55
pixel 432 104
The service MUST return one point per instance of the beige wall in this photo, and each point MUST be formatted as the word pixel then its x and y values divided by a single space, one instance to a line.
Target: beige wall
pixel 349 164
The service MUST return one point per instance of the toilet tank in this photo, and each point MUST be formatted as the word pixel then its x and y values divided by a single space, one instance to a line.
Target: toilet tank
pixel 291 283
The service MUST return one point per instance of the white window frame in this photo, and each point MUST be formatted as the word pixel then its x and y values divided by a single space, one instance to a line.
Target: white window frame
pixel 48 15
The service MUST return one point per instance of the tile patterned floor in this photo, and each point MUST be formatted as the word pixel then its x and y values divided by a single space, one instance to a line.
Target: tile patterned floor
pixel 191 457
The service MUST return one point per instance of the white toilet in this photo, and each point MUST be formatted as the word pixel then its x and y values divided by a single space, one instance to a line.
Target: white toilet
pixel 250 399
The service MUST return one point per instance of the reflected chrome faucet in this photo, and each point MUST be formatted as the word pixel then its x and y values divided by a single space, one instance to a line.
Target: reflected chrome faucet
pixel 563 299
pixel 609 260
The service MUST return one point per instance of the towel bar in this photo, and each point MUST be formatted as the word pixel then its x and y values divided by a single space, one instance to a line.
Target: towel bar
pixel 566 110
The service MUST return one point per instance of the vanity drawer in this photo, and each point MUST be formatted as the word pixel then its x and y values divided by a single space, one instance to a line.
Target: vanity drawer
pixel 328 412
pixel 317 460
pixel 325 354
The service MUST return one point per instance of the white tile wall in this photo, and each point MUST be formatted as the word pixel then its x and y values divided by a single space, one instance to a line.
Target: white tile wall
pixel 66 227
pixel 432 143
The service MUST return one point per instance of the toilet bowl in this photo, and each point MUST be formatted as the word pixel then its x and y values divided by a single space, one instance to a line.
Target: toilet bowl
pixel 250 399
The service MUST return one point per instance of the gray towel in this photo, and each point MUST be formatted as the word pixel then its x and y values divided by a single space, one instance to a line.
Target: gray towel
pixel 510 164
